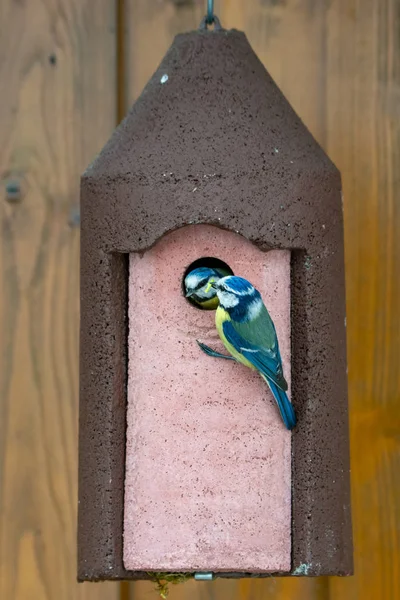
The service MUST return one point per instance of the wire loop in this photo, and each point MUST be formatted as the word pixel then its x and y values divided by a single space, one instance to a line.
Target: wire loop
pixel 210 18
pixel 210 12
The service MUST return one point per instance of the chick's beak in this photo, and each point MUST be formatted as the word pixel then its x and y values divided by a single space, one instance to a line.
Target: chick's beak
pixel 210 284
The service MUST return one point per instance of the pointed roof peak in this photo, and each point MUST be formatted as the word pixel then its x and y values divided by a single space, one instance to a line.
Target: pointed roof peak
pixel 211 106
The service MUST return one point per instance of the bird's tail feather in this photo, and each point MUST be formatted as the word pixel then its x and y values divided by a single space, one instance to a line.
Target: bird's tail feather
pixel 285 406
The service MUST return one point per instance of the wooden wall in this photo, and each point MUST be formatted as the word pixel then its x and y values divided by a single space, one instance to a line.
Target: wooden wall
pixel 69 69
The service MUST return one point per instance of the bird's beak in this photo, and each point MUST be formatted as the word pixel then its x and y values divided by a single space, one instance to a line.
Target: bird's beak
pixel 210 284
pixel 189 294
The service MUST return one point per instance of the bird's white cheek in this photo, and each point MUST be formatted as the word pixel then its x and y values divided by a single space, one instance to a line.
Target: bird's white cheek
pixel 227 300
pixel 191 282
pixel 203 294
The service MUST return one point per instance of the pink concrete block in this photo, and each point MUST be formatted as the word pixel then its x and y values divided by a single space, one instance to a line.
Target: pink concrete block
pixel 208 459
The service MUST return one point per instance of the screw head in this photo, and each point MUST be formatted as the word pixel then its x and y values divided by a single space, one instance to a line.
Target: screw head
pixel 13 191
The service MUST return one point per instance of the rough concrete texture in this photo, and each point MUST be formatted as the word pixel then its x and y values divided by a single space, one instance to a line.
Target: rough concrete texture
pixel 208 459
pixel 216 144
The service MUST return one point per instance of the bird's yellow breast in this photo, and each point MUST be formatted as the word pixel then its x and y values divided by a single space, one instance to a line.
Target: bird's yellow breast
pixel 210 304
pixel 221 316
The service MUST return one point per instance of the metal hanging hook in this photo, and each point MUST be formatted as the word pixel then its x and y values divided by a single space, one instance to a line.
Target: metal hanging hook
pixel 210 18
pixel 210 12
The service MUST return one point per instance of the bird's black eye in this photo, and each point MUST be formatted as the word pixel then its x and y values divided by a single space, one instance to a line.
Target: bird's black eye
pixel 201 283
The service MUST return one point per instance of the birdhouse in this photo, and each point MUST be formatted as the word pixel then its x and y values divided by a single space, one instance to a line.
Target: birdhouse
pixel 185 464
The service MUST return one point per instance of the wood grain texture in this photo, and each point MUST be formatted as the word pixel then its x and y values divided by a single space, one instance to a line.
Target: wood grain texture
pixel 57 67
pixel 363 138
pixel 337 61
pixel 245 589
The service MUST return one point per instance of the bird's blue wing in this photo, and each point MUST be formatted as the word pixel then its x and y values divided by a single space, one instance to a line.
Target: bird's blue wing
pixel 265 358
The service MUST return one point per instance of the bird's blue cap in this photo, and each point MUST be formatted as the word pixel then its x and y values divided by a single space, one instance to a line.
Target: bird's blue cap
pixel 236 284
pixel 202 271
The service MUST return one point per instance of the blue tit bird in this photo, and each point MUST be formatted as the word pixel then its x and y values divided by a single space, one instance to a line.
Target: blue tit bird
pixel 197 281
pixel 248 333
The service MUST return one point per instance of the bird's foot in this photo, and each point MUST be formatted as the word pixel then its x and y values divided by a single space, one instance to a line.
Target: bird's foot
pixel 210 352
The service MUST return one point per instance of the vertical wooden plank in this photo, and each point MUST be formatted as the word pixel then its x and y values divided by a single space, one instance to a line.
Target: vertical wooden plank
pixel 289 37
pixel 364 139
pixel 149 30
pixel 58 107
